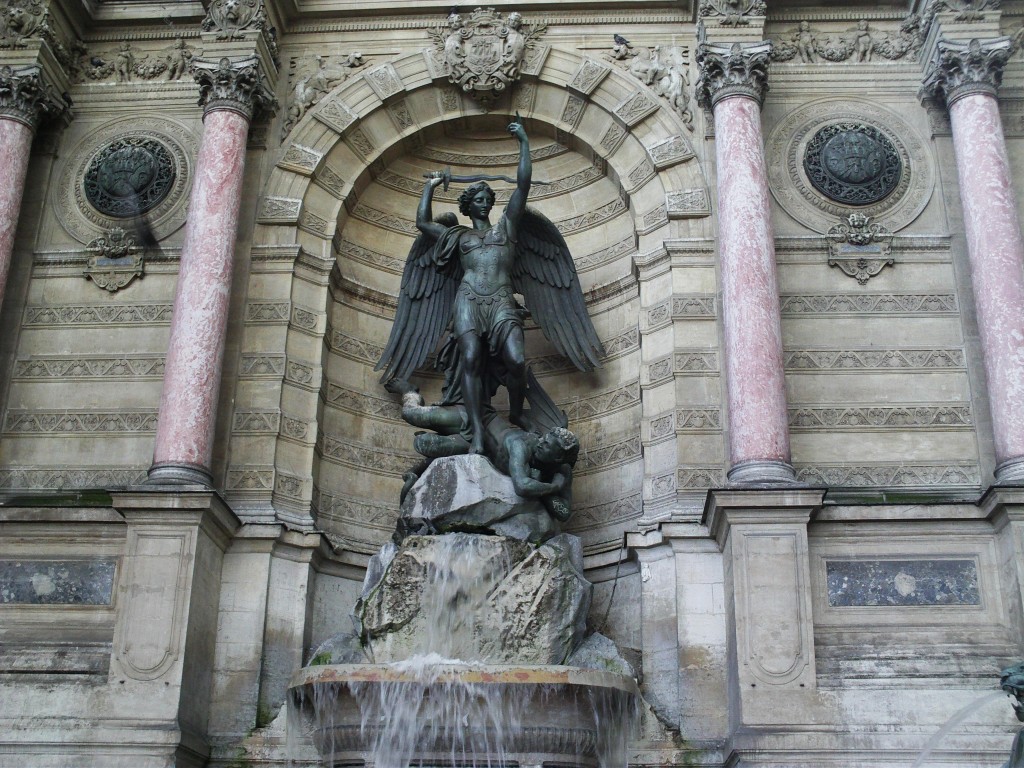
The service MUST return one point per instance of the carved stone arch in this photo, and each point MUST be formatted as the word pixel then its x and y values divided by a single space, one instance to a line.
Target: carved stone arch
pixel 332 156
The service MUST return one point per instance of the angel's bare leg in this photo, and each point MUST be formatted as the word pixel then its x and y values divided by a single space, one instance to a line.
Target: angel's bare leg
pixel 445 420
pixel 473 357
pixel 514 357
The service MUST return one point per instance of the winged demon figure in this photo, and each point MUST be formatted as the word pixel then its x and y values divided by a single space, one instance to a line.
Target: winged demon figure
pixel 463 279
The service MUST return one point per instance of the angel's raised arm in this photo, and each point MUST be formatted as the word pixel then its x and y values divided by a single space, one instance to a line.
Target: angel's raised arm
pixel 424 219
pixel 524 176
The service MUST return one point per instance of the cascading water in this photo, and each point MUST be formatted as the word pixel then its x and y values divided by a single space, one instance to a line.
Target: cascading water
pixel 458 699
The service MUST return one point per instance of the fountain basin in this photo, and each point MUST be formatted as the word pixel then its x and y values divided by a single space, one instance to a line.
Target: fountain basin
pixel 394 715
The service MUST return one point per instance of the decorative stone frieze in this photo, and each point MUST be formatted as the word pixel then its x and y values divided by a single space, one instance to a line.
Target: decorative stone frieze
pixel 732 13
pixel 886 475
pixel 959 69
pixel 869 303
pixel 25 97
pixel 81 367
pixel 857 45
pixel 239 86
pixel 736 70
pixel 127 63
pixel 832 360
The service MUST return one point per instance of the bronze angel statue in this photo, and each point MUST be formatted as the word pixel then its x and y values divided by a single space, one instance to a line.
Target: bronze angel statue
pixel 463 279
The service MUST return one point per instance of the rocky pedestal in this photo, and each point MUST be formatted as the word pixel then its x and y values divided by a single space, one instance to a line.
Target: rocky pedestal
pixel 466 493
pixel 476 598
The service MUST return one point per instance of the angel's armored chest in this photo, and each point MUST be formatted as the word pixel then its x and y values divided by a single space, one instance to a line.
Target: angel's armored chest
pixel 472 240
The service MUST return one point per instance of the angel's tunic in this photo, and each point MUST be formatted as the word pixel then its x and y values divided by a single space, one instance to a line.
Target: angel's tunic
pixel 492 316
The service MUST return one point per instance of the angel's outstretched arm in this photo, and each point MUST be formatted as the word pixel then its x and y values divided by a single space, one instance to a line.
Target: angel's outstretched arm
pixel 424 219
pixel 524 175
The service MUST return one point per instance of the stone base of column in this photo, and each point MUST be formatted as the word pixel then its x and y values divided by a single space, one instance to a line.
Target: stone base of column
pixel 757 472
pixel 168 473
pixel 1010 472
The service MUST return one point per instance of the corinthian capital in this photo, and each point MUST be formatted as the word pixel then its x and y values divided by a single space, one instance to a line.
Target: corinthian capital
pixel 960 69
pixel 736 70
pixel 238 85
pixel 25 97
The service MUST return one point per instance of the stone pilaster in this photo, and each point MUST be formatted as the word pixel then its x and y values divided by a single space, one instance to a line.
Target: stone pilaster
pixel 966 76
pixel 161 662
pixel 1004 508
pixel 763 538
pixel 230 92
pixel 733 81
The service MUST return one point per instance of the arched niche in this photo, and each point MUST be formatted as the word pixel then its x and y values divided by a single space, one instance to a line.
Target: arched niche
pixel 624 178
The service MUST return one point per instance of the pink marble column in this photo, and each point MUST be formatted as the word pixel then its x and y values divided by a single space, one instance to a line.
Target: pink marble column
pixel 24 100
pixel 733 83
pixel 15 147
pixel 188 404
pixel 967 75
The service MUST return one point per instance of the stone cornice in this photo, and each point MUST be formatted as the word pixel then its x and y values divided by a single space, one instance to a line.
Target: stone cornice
pixel 959 69
pixel 736 70
pixel 26 97
pixel 238 85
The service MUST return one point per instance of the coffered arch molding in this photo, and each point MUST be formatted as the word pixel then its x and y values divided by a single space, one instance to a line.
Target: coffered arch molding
pixel 645 147
pixel 624 123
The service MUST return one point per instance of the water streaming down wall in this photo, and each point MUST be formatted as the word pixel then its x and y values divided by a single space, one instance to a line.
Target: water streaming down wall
pixel 435 708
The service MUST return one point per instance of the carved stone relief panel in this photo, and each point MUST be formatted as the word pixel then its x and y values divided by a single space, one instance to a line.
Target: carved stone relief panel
pixel 137 165
pixel 831 158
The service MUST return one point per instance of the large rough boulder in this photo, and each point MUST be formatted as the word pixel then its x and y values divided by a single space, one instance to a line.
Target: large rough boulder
pixel 476 598
pixel 466 493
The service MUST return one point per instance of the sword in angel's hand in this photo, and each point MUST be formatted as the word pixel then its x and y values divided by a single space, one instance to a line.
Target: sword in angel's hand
pixel 446 174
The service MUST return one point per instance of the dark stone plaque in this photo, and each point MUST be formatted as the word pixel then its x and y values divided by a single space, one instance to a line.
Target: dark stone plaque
pixel 56 582
pixel 129 176
pixel 870 583
pixel 852 163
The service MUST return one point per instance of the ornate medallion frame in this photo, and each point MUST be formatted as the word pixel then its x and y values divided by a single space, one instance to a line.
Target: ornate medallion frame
pixel 787 144
pixel 82 220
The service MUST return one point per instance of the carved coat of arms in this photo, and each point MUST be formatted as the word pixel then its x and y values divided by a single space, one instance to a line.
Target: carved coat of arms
pixel 483 53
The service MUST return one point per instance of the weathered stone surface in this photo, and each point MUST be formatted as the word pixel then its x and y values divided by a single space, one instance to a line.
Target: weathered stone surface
pixel 466 493
pixel 478 598
pixel 340 649
pixel 599 652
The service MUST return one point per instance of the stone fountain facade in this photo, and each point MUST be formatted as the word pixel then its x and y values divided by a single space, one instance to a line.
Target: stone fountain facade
pixel 799 494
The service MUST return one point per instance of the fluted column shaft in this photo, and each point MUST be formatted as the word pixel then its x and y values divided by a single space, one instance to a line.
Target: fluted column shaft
pixel 183 452
pixel 733 82
pixel 966 76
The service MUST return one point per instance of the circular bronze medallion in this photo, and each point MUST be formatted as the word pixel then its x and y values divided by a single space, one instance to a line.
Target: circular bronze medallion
pixel 129 176
pixel 852 163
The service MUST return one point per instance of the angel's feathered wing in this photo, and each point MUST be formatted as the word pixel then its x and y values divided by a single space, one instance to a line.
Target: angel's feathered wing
pixel 425 302
pixel 546 277
pixel 543 412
